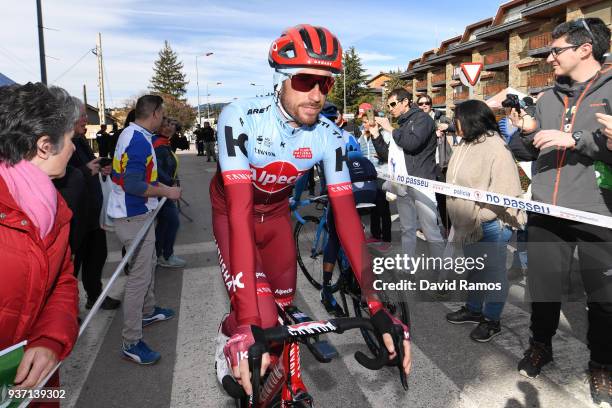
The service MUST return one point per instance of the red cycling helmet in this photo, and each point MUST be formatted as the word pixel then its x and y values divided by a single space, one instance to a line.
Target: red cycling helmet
pixel 305 46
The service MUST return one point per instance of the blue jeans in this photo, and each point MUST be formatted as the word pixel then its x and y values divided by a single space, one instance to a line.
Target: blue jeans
pixel 166 229
pixel 493 245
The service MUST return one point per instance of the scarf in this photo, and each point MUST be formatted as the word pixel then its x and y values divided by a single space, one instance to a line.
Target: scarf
pixel 33 192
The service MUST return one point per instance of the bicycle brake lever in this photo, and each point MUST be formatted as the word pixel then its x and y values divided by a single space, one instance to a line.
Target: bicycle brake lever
pixel 255 353
pixel 398 340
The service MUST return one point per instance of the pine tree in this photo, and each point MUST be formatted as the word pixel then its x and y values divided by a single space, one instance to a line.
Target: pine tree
pixel 168 77
pixel 355 82
pixel 395 81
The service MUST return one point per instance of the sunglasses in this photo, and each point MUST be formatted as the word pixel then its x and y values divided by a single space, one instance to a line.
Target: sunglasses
pixel 423 103
pixel 307 82
pixel 393 104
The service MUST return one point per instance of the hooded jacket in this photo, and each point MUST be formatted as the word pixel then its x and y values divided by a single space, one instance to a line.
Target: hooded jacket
pixel 568 177
pixel 416 136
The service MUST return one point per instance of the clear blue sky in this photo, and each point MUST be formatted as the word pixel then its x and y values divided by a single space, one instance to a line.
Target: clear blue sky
pixel 385 33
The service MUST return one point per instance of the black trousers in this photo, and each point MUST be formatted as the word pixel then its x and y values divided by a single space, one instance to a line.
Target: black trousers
pixel 90 258
pixel 380 218
pixel 551 246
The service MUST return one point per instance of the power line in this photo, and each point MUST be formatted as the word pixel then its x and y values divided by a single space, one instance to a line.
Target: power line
pixel 17 60
pixel 72 66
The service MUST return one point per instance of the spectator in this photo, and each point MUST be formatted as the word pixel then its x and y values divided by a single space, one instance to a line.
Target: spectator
pixel 134 195
pixel 114 135
pixel 416 136
pixel 484 162
pixel 104 140
pixel 72 188
pixel 168 216
pixel 443 151
pixel 380 216
pixel 39 293
pixel 210 141
pixel 571 171
pixel 91 251
pixel 199 140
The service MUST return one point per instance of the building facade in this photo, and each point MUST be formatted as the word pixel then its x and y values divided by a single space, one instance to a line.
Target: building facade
pixel 512 45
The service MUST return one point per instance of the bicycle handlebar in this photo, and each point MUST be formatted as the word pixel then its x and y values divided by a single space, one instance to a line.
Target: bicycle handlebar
pixel 302 331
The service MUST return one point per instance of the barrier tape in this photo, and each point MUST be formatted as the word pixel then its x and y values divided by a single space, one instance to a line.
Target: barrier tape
pixel 489 197
pixel 128 255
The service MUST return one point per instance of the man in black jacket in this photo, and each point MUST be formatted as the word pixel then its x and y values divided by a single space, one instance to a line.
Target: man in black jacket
pixel 90 256
pixel 417 137
pixel 208 134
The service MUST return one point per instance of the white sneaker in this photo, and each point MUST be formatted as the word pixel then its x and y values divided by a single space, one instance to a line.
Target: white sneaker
pixel 172 262
pixel 220 362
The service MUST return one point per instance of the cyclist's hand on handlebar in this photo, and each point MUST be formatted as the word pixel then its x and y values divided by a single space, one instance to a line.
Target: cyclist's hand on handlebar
pixel 383 321
pixel 236 352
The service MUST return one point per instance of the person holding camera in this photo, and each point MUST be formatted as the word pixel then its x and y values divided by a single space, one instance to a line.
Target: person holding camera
pixel 571 170
pixel 91 251
pixel 417 138
pixel 380 216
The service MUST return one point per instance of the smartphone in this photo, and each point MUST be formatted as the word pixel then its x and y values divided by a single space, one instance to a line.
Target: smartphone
pixel 105 161
pixel 607 106
pixel 370 116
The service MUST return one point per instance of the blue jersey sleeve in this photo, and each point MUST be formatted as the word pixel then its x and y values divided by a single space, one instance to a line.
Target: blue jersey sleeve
pixel 233 145
pixel 334 166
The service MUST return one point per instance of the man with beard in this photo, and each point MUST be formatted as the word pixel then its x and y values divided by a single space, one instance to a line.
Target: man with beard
pixel 265 144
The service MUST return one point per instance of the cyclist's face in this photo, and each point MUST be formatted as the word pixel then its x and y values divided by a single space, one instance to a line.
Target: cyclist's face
pixel 304 106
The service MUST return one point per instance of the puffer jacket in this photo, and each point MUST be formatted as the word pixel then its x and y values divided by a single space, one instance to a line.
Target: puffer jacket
pixel 38 290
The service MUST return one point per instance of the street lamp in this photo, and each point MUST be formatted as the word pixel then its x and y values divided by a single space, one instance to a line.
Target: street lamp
pixel 207 100
pixel 208 54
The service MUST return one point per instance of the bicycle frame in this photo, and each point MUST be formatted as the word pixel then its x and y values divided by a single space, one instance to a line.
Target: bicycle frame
pixel 321 235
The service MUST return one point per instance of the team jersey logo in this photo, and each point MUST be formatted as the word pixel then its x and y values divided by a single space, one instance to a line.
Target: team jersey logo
pixel 303 153
pixel 275 176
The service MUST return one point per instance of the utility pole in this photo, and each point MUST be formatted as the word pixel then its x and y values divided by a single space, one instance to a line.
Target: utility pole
pixel 41 44
pixel 101 103
pixel 85 96
pixel 198 86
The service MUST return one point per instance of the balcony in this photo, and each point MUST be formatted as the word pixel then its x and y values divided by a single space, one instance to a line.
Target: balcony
pixel 421 85
pixel 438 79
pixel 496 60
pixel 538 82
pixel 460 96
pixel 439 100
pixel 538 45
pixel 490 89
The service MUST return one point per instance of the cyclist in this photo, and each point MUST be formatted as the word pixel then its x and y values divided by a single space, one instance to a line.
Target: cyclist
pixel 265 144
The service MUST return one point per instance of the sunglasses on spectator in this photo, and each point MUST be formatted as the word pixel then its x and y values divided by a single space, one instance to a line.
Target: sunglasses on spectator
pixel 306 82
pixel 424 103
pixel 581 23
pixel 392 105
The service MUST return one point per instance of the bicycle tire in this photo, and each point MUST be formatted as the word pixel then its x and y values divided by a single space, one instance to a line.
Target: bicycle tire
pixel 310 262
pixel 398 308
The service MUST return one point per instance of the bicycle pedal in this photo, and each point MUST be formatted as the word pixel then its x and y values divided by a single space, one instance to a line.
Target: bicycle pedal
pixel 323 351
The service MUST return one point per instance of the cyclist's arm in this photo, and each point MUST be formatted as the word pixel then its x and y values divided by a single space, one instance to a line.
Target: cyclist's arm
pixel 236 175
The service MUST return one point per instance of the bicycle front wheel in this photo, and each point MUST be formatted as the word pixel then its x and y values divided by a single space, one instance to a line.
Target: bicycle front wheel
pixel 396 305
pixel 310 241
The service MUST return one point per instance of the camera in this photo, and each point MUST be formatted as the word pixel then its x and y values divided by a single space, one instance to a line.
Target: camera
pixel 512 101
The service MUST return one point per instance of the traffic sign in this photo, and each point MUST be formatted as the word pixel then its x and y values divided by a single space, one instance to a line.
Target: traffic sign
pixel 470 73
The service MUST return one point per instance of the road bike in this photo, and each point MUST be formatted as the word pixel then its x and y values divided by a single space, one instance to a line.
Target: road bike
pixel 311 235
pixel 282 385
